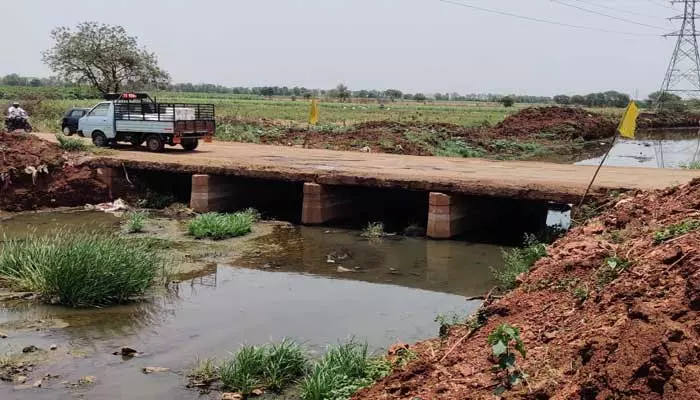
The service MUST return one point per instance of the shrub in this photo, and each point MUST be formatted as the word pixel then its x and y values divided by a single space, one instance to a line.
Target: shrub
pixel 503 340
pixel 518 261
pixel 79 270
pixel 71 144
pixel 136 221
pixel 219 226
pixel 373 230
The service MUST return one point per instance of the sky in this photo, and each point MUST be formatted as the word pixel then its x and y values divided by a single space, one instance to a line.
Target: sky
pixel 413 45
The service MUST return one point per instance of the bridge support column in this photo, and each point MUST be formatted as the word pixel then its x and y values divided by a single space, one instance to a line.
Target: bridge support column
pixel 108 176
pixel 447 215
pixel 323 203
pixel 211 193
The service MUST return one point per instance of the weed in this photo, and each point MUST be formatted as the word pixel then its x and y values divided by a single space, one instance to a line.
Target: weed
pixel 518 261
pixel 676 230
pixel 204 373
pixel 616 237
pixel 221 226
pixel 503 340
pixel 611 269
pixel 446 322
pixel 79 270
pixel 272 367
pixel 458 148
pixel 565 284
pixel 373 230
pixel 71 144
pixel 691 165
pixel 136 221
pixel 580 293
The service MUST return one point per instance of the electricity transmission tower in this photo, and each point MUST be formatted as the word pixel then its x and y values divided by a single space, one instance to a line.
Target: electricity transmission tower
pixel 683 75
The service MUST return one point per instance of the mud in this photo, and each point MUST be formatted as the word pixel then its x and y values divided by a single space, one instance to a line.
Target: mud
pixel 632 335
pixel 564 123
pixel 35 173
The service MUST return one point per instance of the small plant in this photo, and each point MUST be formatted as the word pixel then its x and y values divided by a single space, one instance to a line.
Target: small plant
pixel 691 165
pixel 136 221
pixel 71 144
pixel 580 293
pixel 446 322
pixel 219 226
pixel 204 373
pixel 676 230
pixel 373 230
pixel 503 340
pixel 611 269
pixel 518 261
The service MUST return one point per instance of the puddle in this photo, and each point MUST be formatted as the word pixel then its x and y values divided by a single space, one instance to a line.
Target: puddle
pixel 657 149
pixel 281 286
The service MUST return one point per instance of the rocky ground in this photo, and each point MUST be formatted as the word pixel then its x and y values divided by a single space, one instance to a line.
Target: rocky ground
pixel 610 313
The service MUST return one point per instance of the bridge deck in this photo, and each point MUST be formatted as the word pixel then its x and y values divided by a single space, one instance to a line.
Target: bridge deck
pixel 525 180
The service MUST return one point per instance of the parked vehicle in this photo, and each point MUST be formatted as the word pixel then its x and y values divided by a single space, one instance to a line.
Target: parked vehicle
pixel 18 123
pixel 137 118
pixel 69 123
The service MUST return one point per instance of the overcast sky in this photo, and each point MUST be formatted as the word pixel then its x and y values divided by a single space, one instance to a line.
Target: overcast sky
pixel 412 45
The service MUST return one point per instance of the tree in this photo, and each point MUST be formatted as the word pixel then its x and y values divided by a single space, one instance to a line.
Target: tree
pixel 267 91
pixel 420 97
pixel 562 99
pixel 342 92
pixel 664 99
pixel 507 101
pixel 104 56
pixel 393 94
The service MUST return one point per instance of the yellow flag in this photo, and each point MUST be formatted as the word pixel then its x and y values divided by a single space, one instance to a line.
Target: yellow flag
pixel 628 125
pixel 313 114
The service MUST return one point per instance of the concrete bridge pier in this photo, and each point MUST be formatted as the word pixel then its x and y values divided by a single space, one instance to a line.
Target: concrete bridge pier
pixel 324 203
pixel 211 193
pixel 448 215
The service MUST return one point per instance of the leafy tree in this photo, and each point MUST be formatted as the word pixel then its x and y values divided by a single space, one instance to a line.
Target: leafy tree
pixel 342 92
pixel 666 101
pixel 562 99
pixel 507 101
pixel 267 91
pixel 578 100
pixel 420 97
pixel 393 94
pixel 105 56
pixel 408 96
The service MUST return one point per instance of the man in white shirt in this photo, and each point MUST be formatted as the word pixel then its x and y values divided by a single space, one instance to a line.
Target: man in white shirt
pixel 16 111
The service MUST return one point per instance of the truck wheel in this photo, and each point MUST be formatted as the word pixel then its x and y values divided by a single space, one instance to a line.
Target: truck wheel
pixel 190 144
pixel 99 139
pixel 155 143
pixel 66 131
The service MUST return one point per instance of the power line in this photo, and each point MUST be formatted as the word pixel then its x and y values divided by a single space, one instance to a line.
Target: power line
pixel 544 21
pixel 629 21
pixel 618 9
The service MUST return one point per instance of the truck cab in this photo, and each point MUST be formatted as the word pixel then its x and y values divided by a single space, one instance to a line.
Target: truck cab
pixel 137 118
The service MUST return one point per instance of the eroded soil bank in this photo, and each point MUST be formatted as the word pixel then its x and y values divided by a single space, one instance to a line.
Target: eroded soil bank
pixel 611 312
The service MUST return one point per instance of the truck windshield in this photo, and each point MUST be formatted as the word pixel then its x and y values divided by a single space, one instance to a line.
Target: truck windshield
pixel 100 110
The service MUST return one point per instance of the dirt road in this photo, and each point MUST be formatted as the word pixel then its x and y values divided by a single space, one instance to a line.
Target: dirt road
pixel 528 180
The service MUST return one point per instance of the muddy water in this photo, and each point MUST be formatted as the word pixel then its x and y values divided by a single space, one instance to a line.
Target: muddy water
pixel 286 287
pixel 654 149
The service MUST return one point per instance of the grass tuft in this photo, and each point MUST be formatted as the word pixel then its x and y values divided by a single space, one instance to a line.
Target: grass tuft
pixel 71 144
pixel 79 270
pixel 219 226
pixel 373 230
pixel 136 221
pixel 204 373
pixel 518 261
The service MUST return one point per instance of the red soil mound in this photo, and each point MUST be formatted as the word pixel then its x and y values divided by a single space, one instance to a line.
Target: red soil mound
pixel 590 333
pixel 35 173
pixel 563 122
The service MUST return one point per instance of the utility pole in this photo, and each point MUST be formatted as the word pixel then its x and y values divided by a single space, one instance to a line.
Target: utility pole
pixel 683 75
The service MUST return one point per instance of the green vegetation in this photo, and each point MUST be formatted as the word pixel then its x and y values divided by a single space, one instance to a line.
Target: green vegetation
pixel 458 148
pixel 204 373
pixel 676 230
pixel 581 293
pixel 373 230
pixel 691 165
pixel 219 226
pixel 271 367
pixel 518 261
pixel 136 221
pixel 71 144
pixel 503 341
pixel 447 321
pixel 344 370
pixel 610 270
pixel 79 269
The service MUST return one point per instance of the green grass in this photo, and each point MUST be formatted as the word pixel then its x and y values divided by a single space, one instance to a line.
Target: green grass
pixel 136 221
pixel 344 370
pixel 695 165
pixel 676 230
pixel 71 144
pixel 373 230
pixel 79 269
pixel 518 261
pixel 219 226
pixel 272 367
pixel 204 373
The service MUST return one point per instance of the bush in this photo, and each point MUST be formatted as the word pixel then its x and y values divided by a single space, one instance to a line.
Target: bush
pixel 272 367
pixel 518 261
pixel 79 270
pixel 136 221
pixel 71 144
pixel 219 226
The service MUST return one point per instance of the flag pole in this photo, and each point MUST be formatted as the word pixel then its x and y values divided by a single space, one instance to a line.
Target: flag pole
pixel 597 171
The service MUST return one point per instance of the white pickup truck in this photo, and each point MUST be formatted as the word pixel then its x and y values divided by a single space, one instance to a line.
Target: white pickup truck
pixel 137 118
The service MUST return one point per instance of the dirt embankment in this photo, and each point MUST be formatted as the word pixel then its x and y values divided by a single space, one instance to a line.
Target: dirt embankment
pixel 562 123
pixel 611 313
pixel 670 120
pixel 35 173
